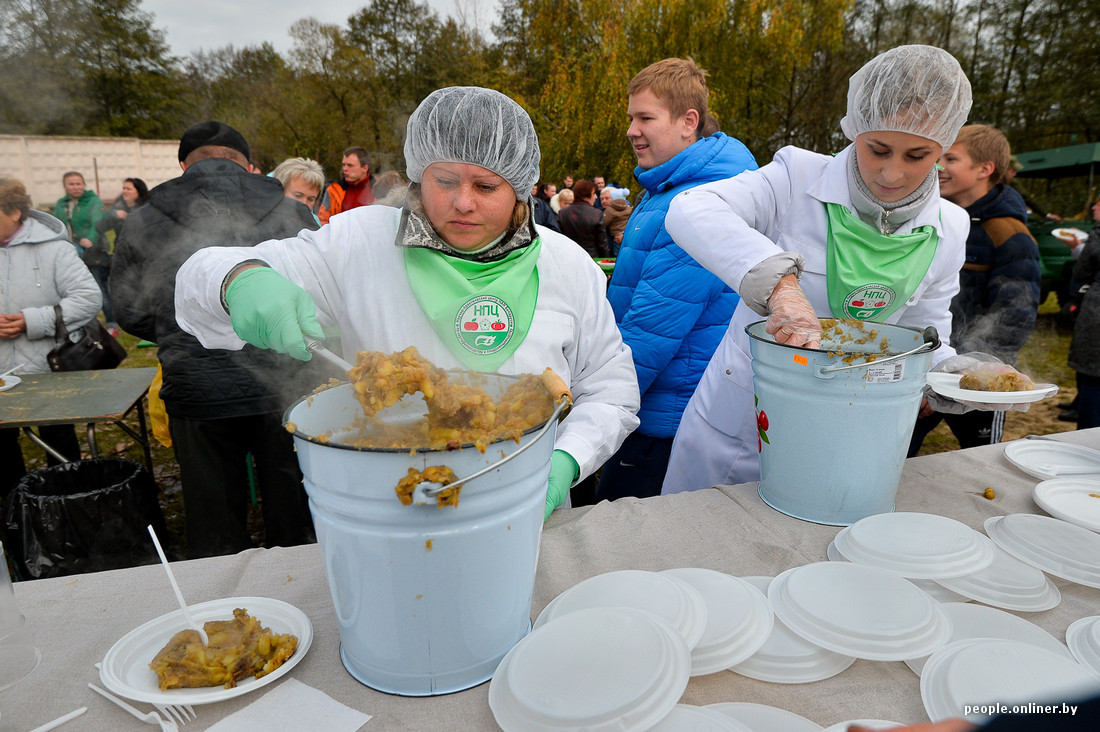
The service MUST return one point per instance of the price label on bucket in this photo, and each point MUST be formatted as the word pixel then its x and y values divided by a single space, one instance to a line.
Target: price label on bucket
pixel 886 373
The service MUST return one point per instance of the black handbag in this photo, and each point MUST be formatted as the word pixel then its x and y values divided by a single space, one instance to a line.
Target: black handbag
pixel 94 348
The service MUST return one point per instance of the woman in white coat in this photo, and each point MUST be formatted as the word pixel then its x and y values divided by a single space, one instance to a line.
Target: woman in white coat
pixel 804 236
pixel 464 248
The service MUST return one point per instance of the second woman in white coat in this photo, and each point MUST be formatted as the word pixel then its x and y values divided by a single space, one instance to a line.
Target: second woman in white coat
pixel 805 235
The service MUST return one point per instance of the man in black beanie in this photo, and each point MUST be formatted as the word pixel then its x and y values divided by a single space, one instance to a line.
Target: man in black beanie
pixel 222 405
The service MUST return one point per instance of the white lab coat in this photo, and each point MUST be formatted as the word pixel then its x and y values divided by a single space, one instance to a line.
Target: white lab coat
pixel 732 225
pixel 356 275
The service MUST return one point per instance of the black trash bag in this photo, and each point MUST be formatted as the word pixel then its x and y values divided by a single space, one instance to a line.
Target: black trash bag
pixel 84 516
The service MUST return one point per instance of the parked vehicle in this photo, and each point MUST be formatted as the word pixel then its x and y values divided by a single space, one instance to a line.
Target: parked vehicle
pixel 1081 163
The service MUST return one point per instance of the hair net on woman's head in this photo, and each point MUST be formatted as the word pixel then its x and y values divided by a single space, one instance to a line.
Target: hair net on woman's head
pixel 469 124
pixel 921 90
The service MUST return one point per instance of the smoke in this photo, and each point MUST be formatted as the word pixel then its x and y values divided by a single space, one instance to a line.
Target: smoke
pixel 214 206
pixel 997 316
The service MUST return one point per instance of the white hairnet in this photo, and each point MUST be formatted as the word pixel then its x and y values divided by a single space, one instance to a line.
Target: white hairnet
pixel 921 90
pixel 469 124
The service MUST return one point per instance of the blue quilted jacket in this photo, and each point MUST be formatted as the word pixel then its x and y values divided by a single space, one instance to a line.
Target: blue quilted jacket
pixel 671 312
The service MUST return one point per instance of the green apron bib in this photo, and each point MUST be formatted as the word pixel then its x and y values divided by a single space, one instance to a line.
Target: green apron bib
pixel 482 311
pixel 870 275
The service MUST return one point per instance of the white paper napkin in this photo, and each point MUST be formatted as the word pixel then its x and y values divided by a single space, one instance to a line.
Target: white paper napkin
pixel 293 705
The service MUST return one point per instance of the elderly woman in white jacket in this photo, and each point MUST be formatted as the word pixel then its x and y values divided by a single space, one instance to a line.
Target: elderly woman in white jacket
pixel 463 249
pixel 39 268
pixel 804 236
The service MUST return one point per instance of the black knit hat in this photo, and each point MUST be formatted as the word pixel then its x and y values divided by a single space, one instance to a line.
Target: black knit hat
pixel 212 133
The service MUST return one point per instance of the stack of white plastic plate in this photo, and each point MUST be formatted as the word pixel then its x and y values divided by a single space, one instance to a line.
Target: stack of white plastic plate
pixel 859 611
pixel 670 599
pixel 763 718
pixel 1057 547
pixel 916 545
pixel 1044 459
pixel 1008 583
pixel 1083 637
pixel 698 719
pixel 1076 500
pixel 599 669
pixel 978 621
pixel 739 619
pixel 987 672
pixel 937 591
pixel 788 658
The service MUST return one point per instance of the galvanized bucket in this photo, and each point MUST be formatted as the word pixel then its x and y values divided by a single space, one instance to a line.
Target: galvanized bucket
pixel 834 425
pixel 428 598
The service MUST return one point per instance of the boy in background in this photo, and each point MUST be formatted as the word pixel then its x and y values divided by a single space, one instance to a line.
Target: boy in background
pixel 998 298
pixel 670 310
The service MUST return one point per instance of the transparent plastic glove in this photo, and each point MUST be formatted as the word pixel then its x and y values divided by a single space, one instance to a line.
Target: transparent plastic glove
pixel 269 311
pixel 963 363
pixel 792 319
pixel 563 473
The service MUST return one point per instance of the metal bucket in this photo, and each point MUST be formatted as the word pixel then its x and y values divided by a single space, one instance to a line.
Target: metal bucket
pixel 428 599
pixel 834 426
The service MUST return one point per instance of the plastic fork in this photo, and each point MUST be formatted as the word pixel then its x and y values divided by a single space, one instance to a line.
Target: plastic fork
pixel 176 589
pixel 166 725
pixel 181 713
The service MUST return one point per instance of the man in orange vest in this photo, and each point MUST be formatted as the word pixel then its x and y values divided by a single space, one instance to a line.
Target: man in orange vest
pixel 353 189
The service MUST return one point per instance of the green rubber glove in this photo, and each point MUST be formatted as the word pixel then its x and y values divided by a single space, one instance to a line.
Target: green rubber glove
pixel 269 311
pixel 563 473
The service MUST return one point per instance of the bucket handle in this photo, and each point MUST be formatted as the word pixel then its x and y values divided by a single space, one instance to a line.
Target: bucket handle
pixel 432 490
pixel 931 343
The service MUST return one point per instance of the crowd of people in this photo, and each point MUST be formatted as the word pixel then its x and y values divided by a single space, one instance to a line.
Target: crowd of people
pixel 225 270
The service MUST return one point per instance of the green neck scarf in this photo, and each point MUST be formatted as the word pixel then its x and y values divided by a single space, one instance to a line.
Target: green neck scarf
pixel 481 310
pixel 870 275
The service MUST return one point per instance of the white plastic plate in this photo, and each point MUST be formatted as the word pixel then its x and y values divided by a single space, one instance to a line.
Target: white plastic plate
pixel 666 597
pixel 1054 546
pixel 1070 233
pixel 1008 583
pixel 788 658
pixel 739 621
pixel 937 591
pixel 699 719
pixel 10 382
pixel 761 717
pixel 1076 500
pixel 599 669
pixel 859 611
pixel 987 672
pixel 948 385
pixel 1083 638
pixel 125 669
pixel 1045 459
pixel 977 621
pixel 872 723
pixel 916 545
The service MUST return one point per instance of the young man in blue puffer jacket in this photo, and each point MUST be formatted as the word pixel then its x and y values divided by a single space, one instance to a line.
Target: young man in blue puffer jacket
pixel 670 310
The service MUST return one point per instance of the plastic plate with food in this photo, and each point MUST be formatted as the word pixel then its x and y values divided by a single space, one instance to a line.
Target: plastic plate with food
pixel 125 669
pixel 1070 234
pixel 9 382
pixel 948 385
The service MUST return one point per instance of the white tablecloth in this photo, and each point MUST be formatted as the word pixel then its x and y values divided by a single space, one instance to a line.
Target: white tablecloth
pixel 76 619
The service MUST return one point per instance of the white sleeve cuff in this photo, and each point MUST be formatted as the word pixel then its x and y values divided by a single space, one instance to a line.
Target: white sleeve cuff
pixel 758 283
